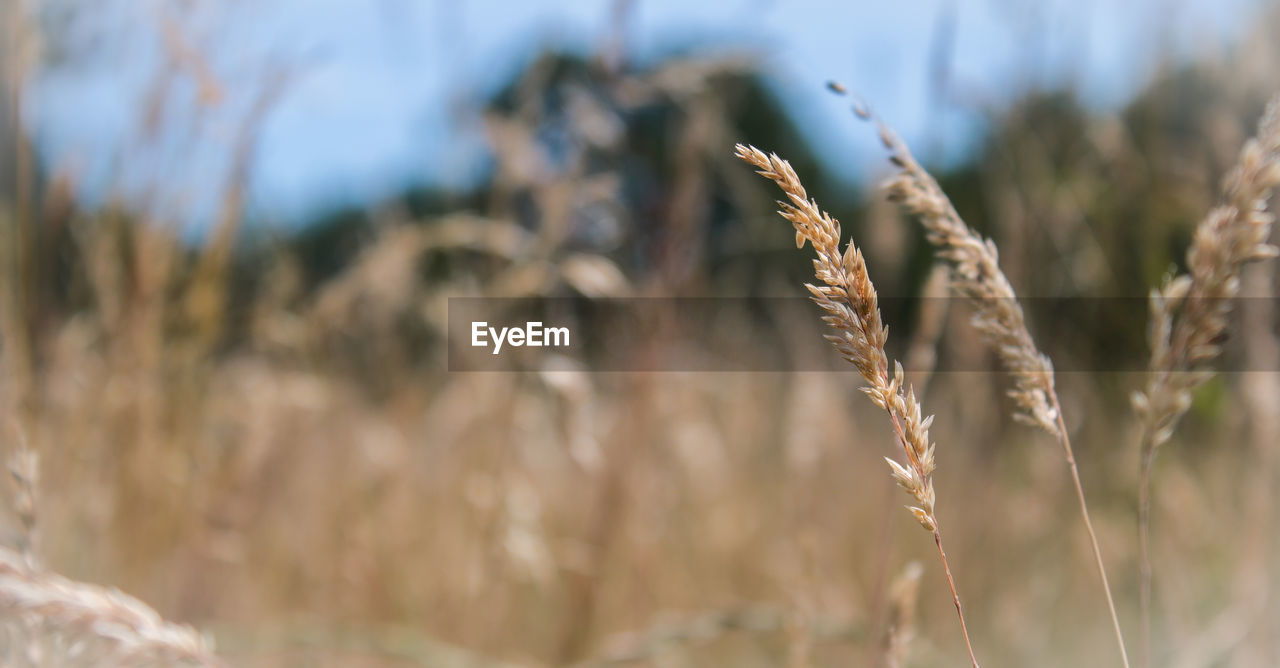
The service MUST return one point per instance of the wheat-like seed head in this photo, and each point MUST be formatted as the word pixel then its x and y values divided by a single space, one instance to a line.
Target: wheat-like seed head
pixel 904 593
pixel 1189 312
pixel 976 275
pixel 24 468
pixel 852 309
pixel 138 634
pixel 849 299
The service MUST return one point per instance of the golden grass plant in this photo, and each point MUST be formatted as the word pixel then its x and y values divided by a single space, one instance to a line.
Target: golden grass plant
pixel 1189 314
pixel 976 276
pixel 849 299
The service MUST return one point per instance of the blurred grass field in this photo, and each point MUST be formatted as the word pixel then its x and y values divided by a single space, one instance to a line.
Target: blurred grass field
pixel 256 433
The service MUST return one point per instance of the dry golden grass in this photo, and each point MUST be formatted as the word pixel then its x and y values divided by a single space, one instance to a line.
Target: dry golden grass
pixel 849 299
pixel 63 619
pixel 289 468
pixel 976 275
pixel 1189 313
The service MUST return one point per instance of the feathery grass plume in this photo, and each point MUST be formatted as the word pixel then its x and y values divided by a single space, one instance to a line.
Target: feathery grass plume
pixel 903 595
pixel 975 274
pixel 24 468
pixel 1189 311
pixel 852 310
pixel 136 632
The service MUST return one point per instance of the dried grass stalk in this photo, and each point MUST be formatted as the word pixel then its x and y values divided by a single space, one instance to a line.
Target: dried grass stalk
pixel 852 310
pixel 1189 313
pixel 903 596
pixel 24 468
pixel 137 633
pixel 975 274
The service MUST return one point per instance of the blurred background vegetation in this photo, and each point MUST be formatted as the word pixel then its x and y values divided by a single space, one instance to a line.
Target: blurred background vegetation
pixel 246 420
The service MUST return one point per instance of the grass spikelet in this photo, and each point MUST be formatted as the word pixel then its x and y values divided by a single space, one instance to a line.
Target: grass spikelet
pixel 849 299
pixel 137 633
pixel 1189 313
pixel 24 469
pixel 903 595
pixel 976 275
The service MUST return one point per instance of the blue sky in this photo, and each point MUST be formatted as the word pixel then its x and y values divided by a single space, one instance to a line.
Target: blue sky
pixel 381 93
